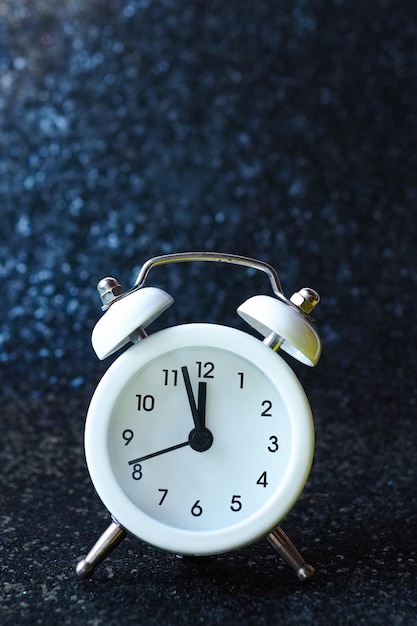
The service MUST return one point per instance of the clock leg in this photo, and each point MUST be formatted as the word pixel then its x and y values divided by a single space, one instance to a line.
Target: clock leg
pixel 108 541
pixel 287 550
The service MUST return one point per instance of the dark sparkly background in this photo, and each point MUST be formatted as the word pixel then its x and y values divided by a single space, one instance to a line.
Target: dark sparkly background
pixel 280 130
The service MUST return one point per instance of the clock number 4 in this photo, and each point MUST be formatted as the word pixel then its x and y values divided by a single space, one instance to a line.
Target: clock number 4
pixel 262 480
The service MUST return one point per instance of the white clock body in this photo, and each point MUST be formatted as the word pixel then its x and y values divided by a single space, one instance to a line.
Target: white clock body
pixel 148 475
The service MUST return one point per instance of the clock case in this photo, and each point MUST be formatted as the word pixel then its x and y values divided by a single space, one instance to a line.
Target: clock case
pixel 284 323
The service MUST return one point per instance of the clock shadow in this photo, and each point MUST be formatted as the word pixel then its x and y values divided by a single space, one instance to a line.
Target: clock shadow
pixel 248 571
pixel 383 553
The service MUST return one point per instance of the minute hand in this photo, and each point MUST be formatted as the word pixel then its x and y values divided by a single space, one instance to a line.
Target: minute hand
pixel 198 412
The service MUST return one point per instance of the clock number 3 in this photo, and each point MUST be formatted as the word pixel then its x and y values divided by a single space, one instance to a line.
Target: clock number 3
pixel 274 447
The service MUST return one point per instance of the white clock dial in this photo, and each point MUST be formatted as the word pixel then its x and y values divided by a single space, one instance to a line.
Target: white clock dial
pixel 199 439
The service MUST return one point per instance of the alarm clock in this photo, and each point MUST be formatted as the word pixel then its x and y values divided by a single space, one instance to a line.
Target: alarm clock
pixel 199 438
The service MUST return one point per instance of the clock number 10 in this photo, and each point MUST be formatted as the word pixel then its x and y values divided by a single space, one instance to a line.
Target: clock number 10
pixel 145 403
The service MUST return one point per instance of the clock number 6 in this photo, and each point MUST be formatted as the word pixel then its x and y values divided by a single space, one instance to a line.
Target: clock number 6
pixel 196 509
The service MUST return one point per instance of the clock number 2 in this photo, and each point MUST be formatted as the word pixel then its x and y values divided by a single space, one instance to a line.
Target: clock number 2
pixel 267 410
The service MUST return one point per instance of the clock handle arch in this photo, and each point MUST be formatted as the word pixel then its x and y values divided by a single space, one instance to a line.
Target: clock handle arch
pixel 284 322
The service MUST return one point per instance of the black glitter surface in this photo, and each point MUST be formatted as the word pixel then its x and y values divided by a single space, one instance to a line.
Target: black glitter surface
pixel 283 131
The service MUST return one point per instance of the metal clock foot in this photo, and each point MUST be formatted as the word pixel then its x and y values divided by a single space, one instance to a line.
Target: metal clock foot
pixel 108 541
pixel 287 550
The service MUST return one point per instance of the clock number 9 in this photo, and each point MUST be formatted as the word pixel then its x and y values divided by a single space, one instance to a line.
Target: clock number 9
pixel 127 436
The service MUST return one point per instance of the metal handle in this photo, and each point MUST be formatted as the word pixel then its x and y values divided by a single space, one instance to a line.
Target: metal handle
pixel 220 257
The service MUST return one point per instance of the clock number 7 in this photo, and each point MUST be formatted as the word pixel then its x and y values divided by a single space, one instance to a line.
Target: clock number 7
pixel 164 495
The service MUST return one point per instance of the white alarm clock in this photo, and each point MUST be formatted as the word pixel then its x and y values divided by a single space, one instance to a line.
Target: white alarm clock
pixel 199 438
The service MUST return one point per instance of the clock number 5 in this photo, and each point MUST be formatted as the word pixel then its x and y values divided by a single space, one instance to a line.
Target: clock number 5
pixel 236 504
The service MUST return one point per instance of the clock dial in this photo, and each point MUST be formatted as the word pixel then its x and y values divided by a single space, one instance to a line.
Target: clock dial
pixel 199 439
pixel 225 482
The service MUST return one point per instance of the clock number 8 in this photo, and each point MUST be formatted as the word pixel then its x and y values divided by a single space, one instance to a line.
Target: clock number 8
pixel 137 471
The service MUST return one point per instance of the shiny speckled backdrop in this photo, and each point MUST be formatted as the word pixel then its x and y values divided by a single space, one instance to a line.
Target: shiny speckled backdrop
pixel 285 131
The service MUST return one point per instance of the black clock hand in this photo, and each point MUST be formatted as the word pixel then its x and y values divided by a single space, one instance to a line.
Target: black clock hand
pixel 200 438
pixel 195 411
pixel 164 451
pixel 201 408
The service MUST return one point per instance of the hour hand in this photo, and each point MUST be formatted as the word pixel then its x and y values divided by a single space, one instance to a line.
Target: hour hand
pixel 198 411
pixel 200 438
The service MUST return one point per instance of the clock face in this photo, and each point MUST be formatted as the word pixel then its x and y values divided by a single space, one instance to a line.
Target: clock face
pixel 199 439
